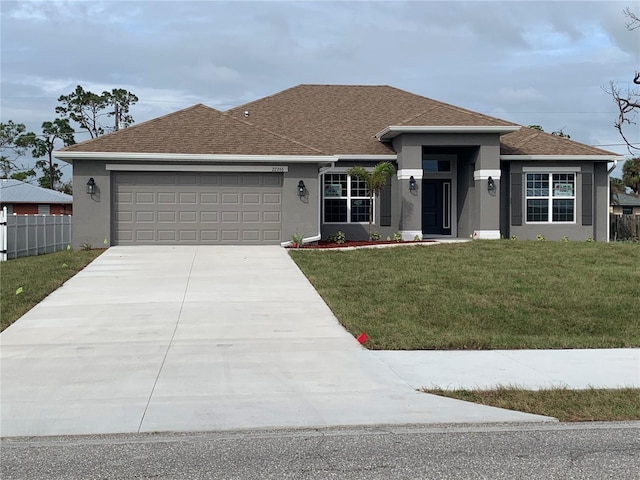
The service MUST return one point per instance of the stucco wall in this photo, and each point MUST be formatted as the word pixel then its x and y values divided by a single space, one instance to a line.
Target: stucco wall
pixel 300 214
pixel 91 213
pixel 556 231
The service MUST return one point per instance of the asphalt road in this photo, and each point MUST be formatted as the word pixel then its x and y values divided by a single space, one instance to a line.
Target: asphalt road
pixel 545 451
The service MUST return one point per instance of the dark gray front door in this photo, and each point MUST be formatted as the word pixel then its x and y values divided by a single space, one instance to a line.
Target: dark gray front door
pixel 436 207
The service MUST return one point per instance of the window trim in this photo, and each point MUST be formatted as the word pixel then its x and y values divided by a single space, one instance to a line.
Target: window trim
pixel 348 198
pixel 549 173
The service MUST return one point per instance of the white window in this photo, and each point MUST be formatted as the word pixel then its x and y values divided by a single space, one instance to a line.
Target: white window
pixel 551 197
pixel 345 199
pixel 44 209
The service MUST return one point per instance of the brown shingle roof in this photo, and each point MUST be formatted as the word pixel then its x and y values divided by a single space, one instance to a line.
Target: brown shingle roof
pixel 195 130
pixel 529 141
pixel 343 119
pixel 315 120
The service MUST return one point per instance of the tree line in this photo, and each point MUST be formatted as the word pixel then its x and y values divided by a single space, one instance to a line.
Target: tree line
pixel 94 113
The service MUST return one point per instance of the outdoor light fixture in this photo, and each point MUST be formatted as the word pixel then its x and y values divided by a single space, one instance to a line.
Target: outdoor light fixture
pixel 301 188
pixel 491 185
pixel 91 186
pixel 412 184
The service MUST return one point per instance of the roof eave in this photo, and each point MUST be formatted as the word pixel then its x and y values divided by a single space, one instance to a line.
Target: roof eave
pixel 393 131
pixel 603 158
pixel 188 157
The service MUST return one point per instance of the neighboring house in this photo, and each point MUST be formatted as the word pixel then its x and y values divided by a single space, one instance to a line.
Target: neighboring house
pixel 23 198
pixel 261 172
pixel 625 204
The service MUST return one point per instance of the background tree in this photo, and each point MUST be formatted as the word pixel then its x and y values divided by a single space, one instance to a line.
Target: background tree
pixel 628 100
pixel 631 174
pixel 375 182
pixel 557 133
pixel 12 146
pixel 44 145
pixel 120 100
pixel 89 110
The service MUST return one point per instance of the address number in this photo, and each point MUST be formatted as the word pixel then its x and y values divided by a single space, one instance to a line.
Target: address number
pixel 277 169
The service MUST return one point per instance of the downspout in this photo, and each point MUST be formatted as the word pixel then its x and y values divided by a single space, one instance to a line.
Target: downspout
pixel 615 164
pixel 317 237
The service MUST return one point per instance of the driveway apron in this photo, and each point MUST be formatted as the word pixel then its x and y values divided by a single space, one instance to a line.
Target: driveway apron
pixel 193 338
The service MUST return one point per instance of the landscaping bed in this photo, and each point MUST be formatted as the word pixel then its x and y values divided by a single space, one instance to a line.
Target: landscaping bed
pixel 326 244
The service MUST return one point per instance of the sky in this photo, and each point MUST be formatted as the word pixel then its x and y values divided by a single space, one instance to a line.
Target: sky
pixel 529 62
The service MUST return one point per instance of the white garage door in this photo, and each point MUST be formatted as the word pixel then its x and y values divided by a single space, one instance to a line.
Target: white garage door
pixel 196 208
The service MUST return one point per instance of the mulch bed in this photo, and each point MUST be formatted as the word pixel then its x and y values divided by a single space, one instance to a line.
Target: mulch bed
pixel 352 243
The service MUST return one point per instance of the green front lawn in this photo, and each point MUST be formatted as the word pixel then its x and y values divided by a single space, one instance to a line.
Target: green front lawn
pixel 484 294
pixel 590 405
pixel 25 281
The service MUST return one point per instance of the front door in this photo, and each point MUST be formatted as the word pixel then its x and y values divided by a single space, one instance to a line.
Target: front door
pixel 436 207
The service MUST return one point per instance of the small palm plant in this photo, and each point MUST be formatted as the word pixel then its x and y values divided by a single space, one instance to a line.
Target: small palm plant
pixel 375 181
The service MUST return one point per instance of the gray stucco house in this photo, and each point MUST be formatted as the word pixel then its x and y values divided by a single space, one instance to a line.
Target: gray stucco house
pixel 263 171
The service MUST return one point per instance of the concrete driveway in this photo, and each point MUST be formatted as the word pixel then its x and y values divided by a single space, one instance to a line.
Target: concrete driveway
pixel 199 338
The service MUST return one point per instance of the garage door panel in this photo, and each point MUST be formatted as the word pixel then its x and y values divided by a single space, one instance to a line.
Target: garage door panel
pixel 124 198
pixel 188 217
pixel 144 235
pixel 142 217
pixel 250 217
pixel 271 236
pixel 230 235
pixel 272 199
pixel 208 208
pixel 167 217
pixel 251 235
pixel 209 235
pixel 166 198
pixel 188 198
pixel 251 199
pixel 184 179
pixel 123 216
pixel 208 198
pixel 271 217
pixel 231 179
pixel 144 198
pixel 208 217
pixel 230 199
pixel 230 217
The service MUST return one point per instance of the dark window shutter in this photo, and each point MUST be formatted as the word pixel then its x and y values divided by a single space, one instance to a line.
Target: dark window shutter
pixel 385 205
pixel 587 199
pixel 516 199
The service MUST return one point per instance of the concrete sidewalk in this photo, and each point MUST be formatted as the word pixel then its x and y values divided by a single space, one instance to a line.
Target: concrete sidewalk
pixel 528 369
pixel 197 338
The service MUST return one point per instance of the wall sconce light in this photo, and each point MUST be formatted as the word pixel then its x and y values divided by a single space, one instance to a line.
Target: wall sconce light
pixel 491 185
pixel 301 188
pixel 412 184
pixel 91 186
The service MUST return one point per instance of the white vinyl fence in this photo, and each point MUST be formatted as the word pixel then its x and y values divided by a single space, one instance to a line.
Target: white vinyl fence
pixel 26 235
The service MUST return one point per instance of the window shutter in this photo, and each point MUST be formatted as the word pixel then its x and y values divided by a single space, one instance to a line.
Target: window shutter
pixel 516 199
pixel 385 205
pixel 587 199
pixel 44 209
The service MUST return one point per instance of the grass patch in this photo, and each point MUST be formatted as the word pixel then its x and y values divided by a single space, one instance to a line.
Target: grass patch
pixel 37 276
pixel 593 404
pixel 483 294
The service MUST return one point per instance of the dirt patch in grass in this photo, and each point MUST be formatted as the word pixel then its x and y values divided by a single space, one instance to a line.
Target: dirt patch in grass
pixel 565 405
